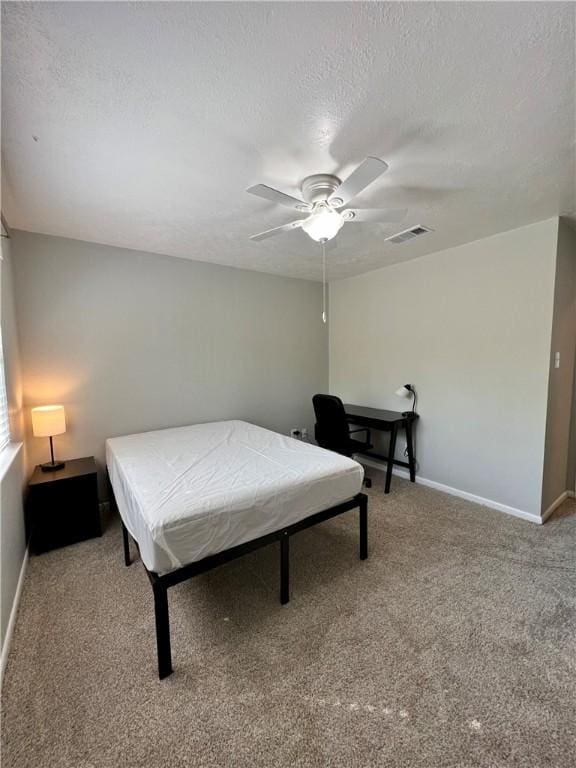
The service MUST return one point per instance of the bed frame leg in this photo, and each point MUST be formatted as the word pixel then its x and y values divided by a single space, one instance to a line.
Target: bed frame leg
pixel 162 630
pixel 363 527
pixel 285 568
pixel 126 540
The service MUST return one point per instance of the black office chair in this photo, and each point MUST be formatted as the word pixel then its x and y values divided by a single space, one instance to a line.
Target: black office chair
pixel 332 430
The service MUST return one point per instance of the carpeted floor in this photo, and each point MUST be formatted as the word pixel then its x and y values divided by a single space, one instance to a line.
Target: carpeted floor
pixel 454 644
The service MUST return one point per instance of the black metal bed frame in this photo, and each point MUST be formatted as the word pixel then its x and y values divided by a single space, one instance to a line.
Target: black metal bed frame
pixel 160 584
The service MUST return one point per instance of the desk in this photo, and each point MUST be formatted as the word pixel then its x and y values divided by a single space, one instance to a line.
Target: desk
pixel 386 421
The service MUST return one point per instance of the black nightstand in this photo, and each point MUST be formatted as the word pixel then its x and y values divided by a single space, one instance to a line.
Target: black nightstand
pixel 62 506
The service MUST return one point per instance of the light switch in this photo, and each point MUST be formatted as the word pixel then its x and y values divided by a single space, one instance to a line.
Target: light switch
pixel 557 360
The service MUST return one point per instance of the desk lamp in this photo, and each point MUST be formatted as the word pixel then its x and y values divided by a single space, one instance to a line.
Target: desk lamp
pixel 406 391
pixel 47 421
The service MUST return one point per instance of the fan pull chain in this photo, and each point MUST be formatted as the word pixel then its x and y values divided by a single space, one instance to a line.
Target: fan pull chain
pixel 323 281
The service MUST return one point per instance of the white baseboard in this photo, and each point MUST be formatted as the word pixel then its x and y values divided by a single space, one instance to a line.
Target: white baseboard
pixel 457 492
pixel 12 619
pixel 556 504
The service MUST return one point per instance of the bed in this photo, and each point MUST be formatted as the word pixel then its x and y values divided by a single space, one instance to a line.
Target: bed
pixel 195 497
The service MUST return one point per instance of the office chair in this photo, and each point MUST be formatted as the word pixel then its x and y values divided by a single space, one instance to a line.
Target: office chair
pixel 332 430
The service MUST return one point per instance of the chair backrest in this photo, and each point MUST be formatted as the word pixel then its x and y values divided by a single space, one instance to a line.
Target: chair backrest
pixel 331 430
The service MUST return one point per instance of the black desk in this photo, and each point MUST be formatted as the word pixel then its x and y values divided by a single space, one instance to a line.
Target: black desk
pixel 386 421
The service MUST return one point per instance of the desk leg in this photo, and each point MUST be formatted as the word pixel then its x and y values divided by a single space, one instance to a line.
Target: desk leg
pixel 391 452
pixel 410 447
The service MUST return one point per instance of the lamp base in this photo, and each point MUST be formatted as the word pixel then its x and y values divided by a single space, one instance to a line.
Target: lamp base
pixel 52 466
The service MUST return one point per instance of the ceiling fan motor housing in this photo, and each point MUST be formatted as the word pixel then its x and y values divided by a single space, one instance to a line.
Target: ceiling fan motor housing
pixel 319 187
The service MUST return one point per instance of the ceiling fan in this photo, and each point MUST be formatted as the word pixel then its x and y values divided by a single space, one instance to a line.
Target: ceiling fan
pixel 325 198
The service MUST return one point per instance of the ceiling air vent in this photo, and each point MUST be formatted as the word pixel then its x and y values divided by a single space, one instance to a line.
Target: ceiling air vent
pixel 408 234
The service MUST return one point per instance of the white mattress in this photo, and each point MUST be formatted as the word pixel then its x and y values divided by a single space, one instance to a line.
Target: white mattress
pixel 190 492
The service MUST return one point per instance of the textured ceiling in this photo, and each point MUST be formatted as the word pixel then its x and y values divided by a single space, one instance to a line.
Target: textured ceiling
pixel 141 124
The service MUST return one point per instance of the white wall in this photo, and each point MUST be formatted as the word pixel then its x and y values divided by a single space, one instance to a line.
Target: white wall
pixel 12 533
pixel 130 341
pixel 471 328
pixel 558 463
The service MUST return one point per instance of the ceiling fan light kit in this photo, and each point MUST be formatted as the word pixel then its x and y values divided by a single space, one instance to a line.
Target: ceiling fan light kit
pixel 323 224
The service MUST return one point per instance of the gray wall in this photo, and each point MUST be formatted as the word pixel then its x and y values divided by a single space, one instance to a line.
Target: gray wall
pixel 12 535
pixel 558 462
pixel 130 341
pixel 571 475
pixel 470 327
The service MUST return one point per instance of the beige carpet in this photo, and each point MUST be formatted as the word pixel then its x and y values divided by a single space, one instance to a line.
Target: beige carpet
pixel 453 645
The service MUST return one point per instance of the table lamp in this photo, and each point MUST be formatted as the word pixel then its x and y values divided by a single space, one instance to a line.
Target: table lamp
pixel 408 390
pixel 47 421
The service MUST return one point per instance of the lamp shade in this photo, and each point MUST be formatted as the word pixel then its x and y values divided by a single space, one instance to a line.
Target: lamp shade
pixel 48 420
pixel 403 391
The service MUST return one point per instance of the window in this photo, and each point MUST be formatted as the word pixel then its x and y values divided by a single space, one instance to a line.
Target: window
pixel 4 420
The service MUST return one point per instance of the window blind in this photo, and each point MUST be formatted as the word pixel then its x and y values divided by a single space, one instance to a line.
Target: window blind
pixel 4 420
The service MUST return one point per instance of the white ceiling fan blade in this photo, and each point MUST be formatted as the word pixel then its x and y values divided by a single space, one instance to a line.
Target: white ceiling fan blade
pixel 365 174
pixel 277 230
pixel 275 196
pixel 373 214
